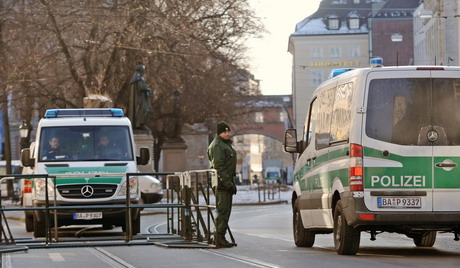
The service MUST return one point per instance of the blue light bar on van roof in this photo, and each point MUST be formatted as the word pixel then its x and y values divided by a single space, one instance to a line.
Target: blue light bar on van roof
pixel 336 72
pixel 108 112
pixel 376 62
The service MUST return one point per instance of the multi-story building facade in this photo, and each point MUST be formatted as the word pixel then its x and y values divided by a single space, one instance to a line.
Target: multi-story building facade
pixel 345 34
pixel 436 33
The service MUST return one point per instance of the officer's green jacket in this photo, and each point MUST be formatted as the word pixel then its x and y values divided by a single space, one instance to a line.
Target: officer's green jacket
pixel 223 158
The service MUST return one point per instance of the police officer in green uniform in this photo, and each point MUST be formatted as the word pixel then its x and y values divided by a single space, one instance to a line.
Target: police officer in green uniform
pixel 223 158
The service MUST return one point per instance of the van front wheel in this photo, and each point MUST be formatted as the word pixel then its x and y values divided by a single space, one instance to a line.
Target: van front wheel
pixel 346 239
pixel 426 240
pixel 29 221
pixel 302 237
pixel 39 227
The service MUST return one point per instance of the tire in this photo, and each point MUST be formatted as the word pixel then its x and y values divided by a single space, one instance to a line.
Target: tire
pixel 29 221
pixel 302 237
pixel 107 226
pixel 135 226
pixel 426 240
pixel 346 239
pixel 39 228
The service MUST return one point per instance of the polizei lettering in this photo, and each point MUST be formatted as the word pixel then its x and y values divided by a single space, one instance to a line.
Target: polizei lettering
pixel 398 181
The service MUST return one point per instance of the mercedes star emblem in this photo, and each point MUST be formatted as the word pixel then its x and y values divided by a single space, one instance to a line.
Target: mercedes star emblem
pixel 432 135
pixel 87 191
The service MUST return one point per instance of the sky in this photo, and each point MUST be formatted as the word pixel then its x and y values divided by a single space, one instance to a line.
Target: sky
pixel 270 62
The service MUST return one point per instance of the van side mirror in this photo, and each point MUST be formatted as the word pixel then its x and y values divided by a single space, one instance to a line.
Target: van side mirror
pixel 144 156
pixel 26 160
pixel 290 141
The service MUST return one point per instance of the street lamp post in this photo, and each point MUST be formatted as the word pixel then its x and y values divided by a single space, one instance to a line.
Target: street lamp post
pixel 24 130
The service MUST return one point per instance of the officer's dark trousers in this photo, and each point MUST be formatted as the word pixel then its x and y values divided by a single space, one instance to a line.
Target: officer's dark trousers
pixel 223 208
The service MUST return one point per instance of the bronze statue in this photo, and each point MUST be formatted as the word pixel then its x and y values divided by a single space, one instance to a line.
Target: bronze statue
pixel 140 99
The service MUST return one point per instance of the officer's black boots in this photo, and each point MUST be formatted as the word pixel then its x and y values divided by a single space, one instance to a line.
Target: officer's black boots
pixel 223 243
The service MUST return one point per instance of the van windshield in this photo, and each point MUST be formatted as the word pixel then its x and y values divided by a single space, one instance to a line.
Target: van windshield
pixel 405 110
pixel 93 143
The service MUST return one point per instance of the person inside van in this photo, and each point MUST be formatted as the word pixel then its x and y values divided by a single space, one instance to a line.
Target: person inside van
pixel 105 148
pixel 54 150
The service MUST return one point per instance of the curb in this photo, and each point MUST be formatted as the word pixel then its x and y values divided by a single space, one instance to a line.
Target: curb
pixel 262 203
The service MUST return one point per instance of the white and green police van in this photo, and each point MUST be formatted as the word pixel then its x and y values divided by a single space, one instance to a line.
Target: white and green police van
pixel 380 152
pixel 68 146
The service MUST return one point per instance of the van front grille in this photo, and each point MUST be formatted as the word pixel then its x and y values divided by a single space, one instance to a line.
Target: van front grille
pixel 85 191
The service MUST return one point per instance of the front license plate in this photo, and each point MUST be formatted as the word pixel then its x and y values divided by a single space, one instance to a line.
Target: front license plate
pixel 87 215
pixel 399 202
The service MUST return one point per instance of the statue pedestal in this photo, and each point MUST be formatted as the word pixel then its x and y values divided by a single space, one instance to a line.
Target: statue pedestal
pixel 97 101
pixel 144 138
pixel 173 156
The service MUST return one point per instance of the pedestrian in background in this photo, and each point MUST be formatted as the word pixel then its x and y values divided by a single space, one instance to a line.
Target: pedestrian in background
pixel 222 157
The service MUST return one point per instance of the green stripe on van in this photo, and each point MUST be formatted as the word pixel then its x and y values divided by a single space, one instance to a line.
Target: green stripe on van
pixel 323 180
pixel 80 173
pixel 414 172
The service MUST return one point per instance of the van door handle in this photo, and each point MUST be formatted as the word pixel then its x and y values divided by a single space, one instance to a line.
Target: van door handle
pixel 447 165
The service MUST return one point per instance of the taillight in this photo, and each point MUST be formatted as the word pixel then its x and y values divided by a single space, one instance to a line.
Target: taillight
pixel 355 178
pixel 27 187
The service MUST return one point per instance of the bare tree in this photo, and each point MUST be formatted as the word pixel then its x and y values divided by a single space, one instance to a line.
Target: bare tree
pixel 192 50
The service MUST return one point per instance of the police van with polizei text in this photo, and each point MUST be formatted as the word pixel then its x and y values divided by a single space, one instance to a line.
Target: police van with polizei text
pixel 89 151
pixel 380 152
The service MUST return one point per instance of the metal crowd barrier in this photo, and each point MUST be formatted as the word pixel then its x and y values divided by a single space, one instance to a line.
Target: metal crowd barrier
pixel 189 210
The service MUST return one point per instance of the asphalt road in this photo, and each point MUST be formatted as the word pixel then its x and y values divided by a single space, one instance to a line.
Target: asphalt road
pixel 264 238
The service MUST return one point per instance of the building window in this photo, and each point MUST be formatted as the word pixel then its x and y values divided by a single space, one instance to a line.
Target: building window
pixel 283 116
pixel 259 117
pixel 357 2
pixel 316 77
pixel 333 23
pixel 354 51
pixel 317 53
pixel 353 23
pixel 334 52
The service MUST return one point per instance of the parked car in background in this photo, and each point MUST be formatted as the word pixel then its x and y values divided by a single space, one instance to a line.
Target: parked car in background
pixel 151 189
pixel 16 168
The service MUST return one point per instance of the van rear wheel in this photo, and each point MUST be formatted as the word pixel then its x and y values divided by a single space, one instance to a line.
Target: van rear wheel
pixel 346 239
pixel 426 240
pixel 302 237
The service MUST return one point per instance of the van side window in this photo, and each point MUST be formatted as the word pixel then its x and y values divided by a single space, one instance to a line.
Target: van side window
pixel 323 126
pixel 310 122
pixel 341 114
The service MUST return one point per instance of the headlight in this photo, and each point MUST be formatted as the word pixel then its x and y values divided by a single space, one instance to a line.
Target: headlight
pixel 133 187
pixel 156 187
pixel 40 185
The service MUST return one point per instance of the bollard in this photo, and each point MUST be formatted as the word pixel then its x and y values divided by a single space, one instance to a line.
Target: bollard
pixel 264 191
pixel 279 191
pixel 258 190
